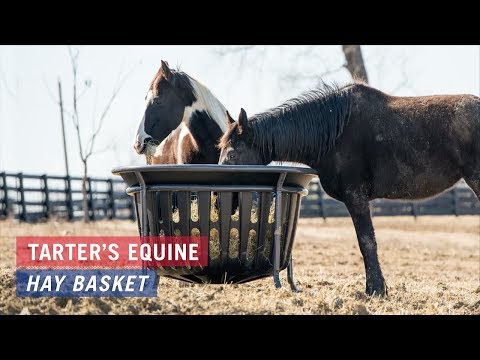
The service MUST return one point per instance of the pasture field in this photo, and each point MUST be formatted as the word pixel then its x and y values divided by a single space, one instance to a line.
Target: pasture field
pixel 431 265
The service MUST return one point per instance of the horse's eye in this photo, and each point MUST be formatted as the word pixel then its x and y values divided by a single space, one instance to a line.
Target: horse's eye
pixel 231 156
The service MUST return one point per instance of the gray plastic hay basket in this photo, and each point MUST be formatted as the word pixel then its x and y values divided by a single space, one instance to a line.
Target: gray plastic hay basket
pixel 249 214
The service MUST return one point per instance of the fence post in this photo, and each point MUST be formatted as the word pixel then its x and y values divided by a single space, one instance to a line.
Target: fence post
pixel 5 194
pixel 414 210
pixel 23 213
pixel 455 200
pixel 47 196
pixel 90 209
pixel 68 195
pixel 111 194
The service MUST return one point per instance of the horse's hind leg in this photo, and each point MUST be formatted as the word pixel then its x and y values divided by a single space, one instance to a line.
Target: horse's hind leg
pixel 360 212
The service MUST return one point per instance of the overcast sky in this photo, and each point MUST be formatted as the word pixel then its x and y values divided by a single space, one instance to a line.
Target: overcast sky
pixel 30 129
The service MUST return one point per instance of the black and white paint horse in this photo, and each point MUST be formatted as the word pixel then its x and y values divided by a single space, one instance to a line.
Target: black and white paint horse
pixel 183 121
pixel 365 145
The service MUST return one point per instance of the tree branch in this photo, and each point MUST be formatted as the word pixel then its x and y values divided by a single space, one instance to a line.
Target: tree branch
pixel 5 83
pixel 294 78
pixel 404 81
pixel 241 50
pixel 85 88
pixel 233 49
pixel 75 116
pixel 49 91
pixel 109 147
pixel 294 75
pixel 115 92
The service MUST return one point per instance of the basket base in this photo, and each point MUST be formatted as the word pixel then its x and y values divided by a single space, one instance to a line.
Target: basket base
pixel 221 278
pixel 225 278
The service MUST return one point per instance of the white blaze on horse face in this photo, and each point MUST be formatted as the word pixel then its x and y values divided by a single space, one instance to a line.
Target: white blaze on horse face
pixel 141 135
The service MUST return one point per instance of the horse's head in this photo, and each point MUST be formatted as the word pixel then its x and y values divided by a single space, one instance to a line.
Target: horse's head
pixel 169 94
pixel 237 145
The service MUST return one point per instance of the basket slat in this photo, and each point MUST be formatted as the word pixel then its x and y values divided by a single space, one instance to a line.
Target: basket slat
pixel 244 212
pixel 225 210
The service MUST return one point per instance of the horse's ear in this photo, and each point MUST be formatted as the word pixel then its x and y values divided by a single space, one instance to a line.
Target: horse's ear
pixel 229 119
pixel 242 121
pixel 166 72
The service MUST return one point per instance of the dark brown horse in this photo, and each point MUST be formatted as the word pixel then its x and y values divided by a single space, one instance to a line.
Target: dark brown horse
pixel 365 145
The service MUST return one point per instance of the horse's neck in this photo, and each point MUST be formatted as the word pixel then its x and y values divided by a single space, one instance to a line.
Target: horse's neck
pixel 303 129
pixel 206 101
pixel 279 155
pixel 277 151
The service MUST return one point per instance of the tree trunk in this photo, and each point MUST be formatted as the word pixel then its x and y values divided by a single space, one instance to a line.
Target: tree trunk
pixel 355 64
pixel 85 207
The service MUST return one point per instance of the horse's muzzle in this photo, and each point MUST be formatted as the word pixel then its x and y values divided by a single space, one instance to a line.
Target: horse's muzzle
pixel 140 146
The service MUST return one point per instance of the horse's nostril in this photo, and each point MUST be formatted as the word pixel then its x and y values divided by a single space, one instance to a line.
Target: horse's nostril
pixel 138 146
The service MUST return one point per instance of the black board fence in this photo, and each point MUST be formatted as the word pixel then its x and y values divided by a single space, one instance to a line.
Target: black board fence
pixel 40 197
pixel 459 200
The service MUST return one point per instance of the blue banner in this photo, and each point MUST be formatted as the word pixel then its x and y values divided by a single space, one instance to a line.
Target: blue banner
pixel 87 283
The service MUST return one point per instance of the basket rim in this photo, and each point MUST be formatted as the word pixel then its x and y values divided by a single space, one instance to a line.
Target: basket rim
pixel 213 167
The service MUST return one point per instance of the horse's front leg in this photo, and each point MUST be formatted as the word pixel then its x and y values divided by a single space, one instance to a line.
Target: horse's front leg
pixel 359 209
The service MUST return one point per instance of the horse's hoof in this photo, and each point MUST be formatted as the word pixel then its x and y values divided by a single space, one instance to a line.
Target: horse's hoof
pixel 379 290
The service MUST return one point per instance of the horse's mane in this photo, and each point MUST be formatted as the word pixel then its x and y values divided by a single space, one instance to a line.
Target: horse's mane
pixel 303 126
pixel 197 93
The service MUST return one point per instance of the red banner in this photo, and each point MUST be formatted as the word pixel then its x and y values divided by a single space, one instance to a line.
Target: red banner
pixel 127 252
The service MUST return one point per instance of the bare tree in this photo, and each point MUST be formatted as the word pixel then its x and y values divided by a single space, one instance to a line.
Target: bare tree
pixel 86 147
pixel 354 62
pixel 353 57
pixel 348 58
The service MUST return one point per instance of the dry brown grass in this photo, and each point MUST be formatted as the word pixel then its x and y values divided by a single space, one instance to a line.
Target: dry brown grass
pixel 432 266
